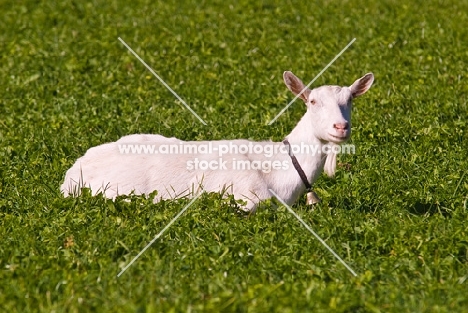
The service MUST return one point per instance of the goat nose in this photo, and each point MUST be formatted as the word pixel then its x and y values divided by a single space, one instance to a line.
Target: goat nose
pixel 341 126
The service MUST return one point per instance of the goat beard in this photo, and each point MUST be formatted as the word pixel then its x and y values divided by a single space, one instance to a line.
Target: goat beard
pixel 330 162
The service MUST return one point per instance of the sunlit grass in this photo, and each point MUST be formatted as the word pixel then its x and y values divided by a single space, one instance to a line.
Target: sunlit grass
pixel 396 211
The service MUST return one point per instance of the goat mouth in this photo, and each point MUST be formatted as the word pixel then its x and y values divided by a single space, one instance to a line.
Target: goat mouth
pixel 339 138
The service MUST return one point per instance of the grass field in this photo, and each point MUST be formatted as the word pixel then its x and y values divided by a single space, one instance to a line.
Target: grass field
pixel 397 214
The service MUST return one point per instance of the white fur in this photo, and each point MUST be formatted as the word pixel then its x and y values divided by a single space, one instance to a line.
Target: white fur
pixel 327 121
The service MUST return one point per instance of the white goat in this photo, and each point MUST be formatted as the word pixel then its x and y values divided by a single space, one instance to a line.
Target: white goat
pixel 141 164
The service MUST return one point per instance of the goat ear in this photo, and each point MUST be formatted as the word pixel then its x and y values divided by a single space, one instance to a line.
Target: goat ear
pixel 295 85
pixel 360 86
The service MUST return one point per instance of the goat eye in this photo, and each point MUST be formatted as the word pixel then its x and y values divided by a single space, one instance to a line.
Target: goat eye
pixel 312 101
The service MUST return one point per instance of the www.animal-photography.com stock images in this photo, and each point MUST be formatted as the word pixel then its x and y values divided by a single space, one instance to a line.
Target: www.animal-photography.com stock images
pixel 233 156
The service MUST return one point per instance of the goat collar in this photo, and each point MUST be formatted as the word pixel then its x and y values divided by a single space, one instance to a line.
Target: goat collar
pixel 312 197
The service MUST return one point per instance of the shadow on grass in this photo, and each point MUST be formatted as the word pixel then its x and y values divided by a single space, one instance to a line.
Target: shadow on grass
pixel 425 208
pixel 353 204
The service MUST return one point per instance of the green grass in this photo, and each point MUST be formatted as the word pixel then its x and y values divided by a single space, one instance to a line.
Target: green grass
pixel 398 215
